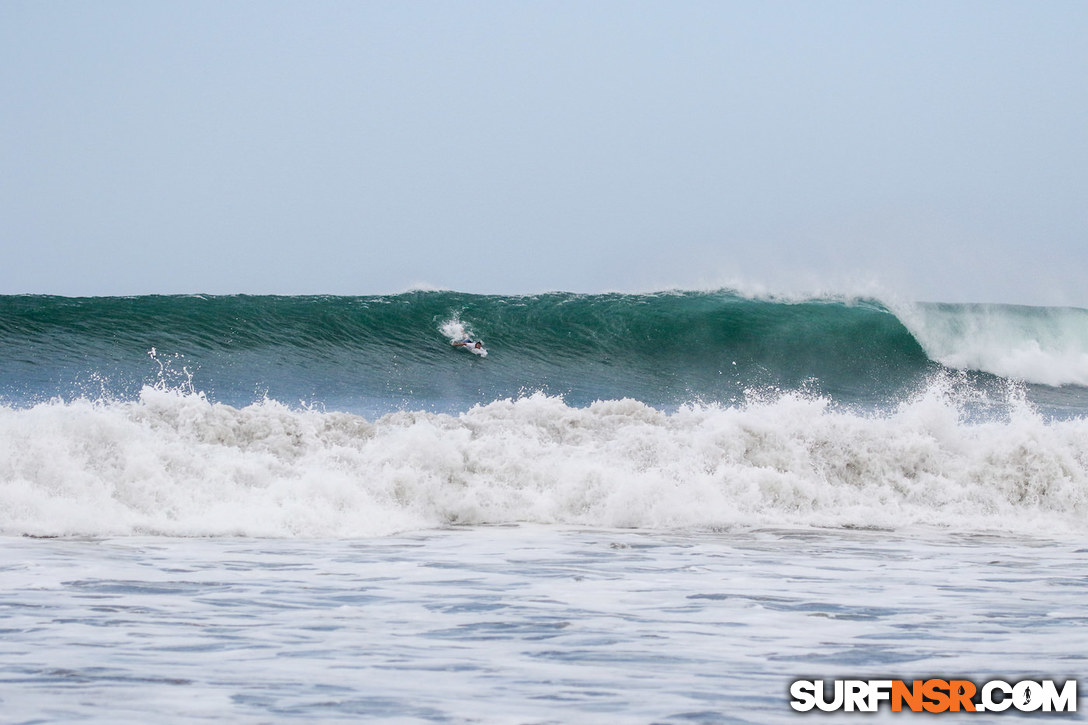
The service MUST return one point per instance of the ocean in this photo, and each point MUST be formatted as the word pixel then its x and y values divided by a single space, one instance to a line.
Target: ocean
pixel 637 508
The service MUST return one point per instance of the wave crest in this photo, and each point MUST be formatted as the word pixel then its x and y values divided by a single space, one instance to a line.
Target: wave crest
pixel 177 464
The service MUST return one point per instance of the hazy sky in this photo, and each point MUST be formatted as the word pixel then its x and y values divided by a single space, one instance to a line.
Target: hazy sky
pixel 935 150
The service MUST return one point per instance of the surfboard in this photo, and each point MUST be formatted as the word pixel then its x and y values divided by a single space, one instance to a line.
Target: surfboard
pixel 471 348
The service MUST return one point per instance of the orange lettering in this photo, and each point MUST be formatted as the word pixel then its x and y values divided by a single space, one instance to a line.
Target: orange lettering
pixel 912 695
pixel 935 691
pixel 961 692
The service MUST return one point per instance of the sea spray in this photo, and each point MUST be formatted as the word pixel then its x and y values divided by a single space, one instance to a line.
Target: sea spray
pixel 1046 345
pixel 177 464
pixel 656 508
pixel 373 355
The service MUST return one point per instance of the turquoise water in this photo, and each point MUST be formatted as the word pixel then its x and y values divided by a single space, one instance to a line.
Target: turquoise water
pixel 372 355
pixel 522 624
pixel 636 508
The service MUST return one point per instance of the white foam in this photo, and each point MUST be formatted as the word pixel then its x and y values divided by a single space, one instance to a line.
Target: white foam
pixel 173 463
pixel 454 329
pixel 1046 345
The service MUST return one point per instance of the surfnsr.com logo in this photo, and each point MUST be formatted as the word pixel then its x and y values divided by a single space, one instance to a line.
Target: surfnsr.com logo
pixel 934 696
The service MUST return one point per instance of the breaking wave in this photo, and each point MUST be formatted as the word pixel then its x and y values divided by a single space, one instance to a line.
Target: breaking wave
pixel 174 463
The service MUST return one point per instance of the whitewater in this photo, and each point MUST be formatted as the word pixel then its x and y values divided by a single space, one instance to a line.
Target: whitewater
pixel 637 508
pixel 175 464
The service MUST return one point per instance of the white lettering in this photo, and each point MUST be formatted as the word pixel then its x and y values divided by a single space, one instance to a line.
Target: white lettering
pixel 1065 701
pixel 836 701
pixel 988 699
pixel 1027 696
pixel 803 693
pixel 856 696
pixel 879 690
pixel 994 696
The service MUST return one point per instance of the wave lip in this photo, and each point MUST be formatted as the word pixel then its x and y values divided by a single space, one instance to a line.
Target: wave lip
pixel 176 464
pixel 1042 345
pixel 379 353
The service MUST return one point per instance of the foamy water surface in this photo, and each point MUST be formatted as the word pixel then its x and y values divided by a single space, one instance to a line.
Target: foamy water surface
pixel 522 624
pixel 176 464
pixel 243 510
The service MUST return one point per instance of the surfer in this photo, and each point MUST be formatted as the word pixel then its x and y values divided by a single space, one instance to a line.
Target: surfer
pixel 466 342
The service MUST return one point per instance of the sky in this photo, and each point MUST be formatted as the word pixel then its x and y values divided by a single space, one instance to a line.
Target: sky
pixel 926 150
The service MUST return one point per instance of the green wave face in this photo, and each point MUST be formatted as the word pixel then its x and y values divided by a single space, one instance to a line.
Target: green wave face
pixel 379 353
